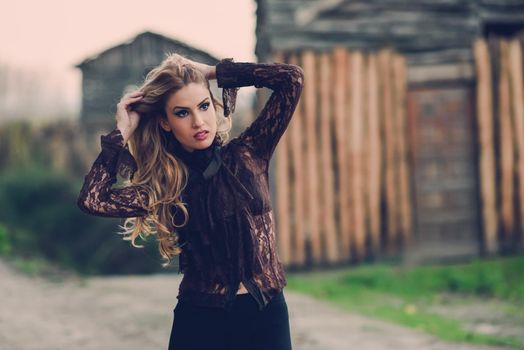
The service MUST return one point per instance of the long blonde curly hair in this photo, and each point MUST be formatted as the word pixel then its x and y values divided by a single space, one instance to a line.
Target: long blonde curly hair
pixel 161 175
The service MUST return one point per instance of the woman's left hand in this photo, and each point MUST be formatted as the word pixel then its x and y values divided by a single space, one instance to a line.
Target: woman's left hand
pixel 208 71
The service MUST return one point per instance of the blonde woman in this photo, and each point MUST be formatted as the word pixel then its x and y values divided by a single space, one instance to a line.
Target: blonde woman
pixel 205 200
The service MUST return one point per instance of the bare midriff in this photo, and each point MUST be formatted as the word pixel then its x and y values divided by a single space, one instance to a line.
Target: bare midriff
pixel 242 289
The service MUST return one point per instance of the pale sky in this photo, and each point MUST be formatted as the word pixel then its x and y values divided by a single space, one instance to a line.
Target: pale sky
pixel 57 34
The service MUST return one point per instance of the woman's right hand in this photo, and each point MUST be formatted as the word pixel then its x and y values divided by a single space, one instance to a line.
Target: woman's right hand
pixel 126 119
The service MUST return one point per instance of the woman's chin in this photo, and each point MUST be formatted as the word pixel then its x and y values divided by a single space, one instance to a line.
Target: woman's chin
pixel 199 145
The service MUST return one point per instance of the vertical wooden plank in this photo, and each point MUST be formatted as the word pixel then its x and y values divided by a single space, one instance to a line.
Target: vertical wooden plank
pixel 404 193
pixel 327 206
pixel 348 124
pixel 390 149
pixel 340 90
pixel 310 114
pixel 517 102
pixel 375 154
pixel 364 155
pixel 283 185
pixel 296 130
pixel 486 147
pixel 355 152
pixel 506 146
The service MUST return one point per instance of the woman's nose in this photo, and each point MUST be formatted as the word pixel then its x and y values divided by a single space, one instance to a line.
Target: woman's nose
pixel 197 120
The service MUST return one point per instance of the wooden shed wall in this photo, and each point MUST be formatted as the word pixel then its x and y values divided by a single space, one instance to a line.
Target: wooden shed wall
pixel 447 163
pixel 106 76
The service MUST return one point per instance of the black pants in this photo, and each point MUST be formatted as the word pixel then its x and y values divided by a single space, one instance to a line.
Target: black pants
pixel 244 327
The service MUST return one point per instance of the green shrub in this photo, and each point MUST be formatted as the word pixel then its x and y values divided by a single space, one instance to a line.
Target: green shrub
pixel 5 246
pixel 40 213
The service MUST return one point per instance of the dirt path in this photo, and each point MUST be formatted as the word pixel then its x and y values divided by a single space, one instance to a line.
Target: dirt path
pixel 136 313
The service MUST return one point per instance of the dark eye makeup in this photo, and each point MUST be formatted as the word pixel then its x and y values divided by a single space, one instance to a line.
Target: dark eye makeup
pixel 184 112
pixel 181 113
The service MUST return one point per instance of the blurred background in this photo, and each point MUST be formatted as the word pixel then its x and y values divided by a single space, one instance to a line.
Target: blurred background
pixel 398 187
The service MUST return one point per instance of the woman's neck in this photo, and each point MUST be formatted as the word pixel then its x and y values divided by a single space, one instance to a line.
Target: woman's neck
pixel 197 159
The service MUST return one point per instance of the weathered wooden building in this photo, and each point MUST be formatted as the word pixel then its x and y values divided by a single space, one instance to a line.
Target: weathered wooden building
pixel 107 75
pixel 440 134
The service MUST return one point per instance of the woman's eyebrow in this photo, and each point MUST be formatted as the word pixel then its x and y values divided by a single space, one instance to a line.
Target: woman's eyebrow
pixel 181 107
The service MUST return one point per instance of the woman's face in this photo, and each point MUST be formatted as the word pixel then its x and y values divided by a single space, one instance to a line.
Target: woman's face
pixel 191 117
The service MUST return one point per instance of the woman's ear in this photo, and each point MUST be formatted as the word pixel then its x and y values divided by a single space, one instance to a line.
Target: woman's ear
pixel 164 124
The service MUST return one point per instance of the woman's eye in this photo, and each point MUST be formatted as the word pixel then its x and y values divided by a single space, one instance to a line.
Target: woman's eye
pixel 204 106
pixel 182 113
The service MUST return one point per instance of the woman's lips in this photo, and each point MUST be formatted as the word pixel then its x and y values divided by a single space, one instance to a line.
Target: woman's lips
pixel 202 135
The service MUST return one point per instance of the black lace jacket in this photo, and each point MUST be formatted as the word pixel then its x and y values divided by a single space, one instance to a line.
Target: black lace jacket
pixel 230 236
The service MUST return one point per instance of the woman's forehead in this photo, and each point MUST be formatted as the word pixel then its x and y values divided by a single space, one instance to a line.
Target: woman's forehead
pixel 191 95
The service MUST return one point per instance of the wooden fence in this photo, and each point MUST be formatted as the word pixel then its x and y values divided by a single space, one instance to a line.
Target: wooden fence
pixel 500 111
pixel 342 179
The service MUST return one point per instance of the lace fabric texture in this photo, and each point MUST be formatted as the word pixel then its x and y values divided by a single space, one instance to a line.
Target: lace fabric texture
pixel 230 236
pixel 97 196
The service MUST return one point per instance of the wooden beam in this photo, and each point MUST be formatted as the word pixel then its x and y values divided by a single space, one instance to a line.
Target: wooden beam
pixel 506 146
pixel 310 114
pixel 327 206
pixel 340 60
pixel 385 57
pixel 486 147
pixel 517 101
pixel 404 193
pixel 356 150
pixel 374 140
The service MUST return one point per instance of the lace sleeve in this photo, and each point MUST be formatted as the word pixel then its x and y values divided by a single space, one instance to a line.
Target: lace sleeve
pixel 286 81
pixel 97 197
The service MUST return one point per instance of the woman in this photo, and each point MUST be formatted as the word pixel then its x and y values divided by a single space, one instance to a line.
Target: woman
pixel 205 200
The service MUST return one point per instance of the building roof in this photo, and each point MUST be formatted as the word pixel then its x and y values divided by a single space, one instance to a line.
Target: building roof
pixel 411 27
pixel 148 34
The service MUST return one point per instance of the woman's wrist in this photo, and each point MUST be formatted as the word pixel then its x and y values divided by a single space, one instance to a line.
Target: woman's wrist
pixel 125 132
pixel 208 71
pixel 211 72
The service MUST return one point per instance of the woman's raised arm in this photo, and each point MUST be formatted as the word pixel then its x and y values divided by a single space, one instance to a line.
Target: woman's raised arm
pixel 97 197
pixel 286 81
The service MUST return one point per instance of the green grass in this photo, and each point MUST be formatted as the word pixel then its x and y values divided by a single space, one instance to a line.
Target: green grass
pixel 402 295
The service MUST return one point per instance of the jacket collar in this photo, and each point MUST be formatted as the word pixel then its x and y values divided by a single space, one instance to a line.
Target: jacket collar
pixel 203 163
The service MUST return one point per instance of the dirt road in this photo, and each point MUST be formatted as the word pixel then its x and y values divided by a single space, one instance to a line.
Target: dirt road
pixel 135 312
